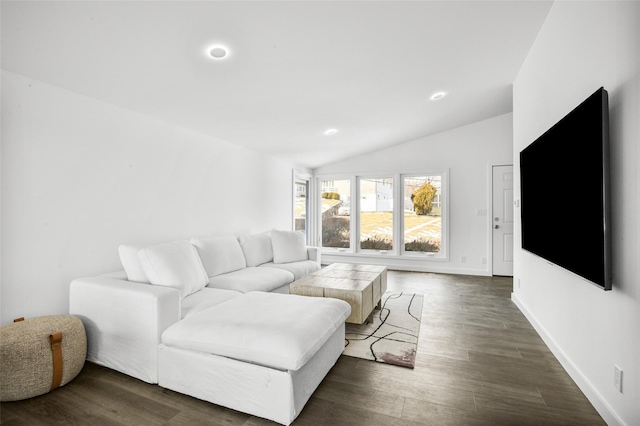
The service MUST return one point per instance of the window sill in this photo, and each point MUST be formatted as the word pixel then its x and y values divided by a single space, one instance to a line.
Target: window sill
pixel 373 254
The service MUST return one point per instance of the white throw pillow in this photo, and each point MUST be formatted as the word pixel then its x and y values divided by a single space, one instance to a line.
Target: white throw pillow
pixel 257 248
pixel 220 255
pixel 174 264
pixel 288 246
pixel 131 263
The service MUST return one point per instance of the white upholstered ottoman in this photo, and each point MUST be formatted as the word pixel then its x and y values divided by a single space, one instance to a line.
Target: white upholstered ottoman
pixel 262 353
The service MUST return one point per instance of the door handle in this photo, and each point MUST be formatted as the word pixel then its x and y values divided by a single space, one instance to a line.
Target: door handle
pixel 496 226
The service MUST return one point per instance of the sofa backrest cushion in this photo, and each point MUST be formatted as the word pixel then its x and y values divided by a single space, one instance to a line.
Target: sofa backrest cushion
pixel 175 264
pixel 288 246
pixel 220 254
pixel 131 263
pixel 257 248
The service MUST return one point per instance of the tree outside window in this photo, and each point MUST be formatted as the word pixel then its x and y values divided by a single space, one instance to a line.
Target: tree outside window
pixel 422 230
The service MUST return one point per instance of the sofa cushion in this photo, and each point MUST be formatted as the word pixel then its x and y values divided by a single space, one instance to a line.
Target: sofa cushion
pixel 220 254
pixel 175 264
pixel 298 269
pixel 257 248
pixel 252 279
pixel 205 298
pixel 288 246
pixel 277 330
pixel 131 263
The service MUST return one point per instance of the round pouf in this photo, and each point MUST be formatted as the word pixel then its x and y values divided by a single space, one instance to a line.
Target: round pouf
pixel 30 349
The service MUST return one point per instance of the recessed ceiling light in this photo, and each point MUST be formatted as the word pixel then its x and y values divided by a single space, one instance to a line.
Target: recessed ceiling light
pixel 218 52
pixel 437 96
pixel 330 132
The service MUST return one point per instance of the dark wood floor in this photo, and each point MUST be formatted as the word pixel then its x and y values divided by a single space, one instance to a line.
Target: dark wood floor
pixel 479 363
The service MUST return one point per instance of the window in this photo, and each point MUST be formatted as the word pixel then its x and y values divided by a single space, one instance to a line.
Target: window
pixel 394 214
pixel 422 219
pixel 376 213
pixel 301 204
pixel 336 213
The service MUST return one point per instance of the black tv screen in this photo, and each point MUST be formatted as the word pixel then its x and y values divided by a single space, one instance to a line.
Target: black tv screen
pixel 564 192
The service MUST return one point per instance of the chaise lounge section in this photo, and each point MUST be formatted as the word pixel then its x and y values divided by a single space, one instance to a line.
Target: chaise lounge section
pixel 211 321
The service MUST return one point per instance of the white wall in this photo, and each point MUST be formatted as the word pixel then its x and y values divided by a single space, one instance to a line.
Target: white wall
pixel 467 152
pixel 80 177
pixel 582 46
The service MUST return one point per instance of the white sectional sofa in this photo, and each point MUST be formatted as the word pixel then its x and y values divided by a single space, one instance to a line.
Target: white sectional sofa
pixel 207 318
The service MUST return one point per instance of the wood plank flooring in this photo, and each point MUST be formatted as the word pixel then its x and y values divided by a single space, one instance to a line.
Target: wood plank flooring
pixel 479 362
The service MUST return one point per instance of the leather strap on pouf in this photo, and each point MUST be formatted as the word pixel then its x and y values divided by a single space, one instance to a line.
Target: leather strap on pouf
pixel 56 352
pixel 18 319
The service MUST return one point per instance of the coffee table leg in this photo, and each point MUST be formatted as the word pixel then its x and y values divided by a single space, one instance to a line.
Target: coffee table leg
pixel 369 318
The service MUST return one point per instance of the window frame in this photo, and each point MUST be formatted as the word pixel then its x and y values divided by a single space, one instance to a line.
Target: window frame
pixel 444 216
pixel 398 250
pixel 297 176
pixel 318 227
pixel 358 180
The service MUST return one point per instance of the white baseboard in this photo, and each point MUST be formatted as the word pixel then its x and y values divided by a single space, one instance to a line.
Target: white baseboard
pixel 592 394
pixel 399 264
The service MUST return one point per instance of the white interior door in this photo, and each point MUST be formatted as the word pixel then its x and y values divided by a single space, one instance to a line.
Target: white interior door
pixel 502 221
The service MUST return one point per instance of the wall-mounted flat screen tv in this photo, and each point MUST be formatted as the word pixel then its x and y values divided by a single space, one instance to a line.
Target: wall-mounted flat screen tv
pixel 564 185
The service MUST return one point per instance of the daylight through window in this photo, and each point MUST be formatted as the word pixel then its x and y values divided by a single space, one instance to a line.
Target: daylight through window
pixel 376 214
pixel 336 213
pixel 422 225
pixel 394 215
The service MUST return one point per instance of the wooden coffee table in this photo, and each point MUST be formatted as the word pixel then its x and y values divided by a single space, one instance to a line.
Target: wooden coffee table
pixel 362 286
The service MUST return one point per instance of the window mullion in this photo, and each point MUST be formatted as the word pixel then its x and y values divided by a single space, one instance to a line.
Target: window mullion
pixel 355 214
pixel 398 215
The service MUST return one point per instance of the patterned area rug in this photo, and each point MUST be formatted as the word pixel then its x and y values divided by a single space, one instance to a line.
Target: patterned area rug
pixel 392 337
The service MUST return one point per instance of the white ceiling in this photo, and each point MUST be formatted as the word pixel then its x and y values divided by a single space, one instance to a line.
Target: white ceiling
pixel 295 69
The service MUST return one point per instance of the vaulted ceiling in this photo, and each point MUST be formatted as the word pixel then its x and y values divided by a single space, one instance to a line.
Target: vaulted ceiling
pixel 294 69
